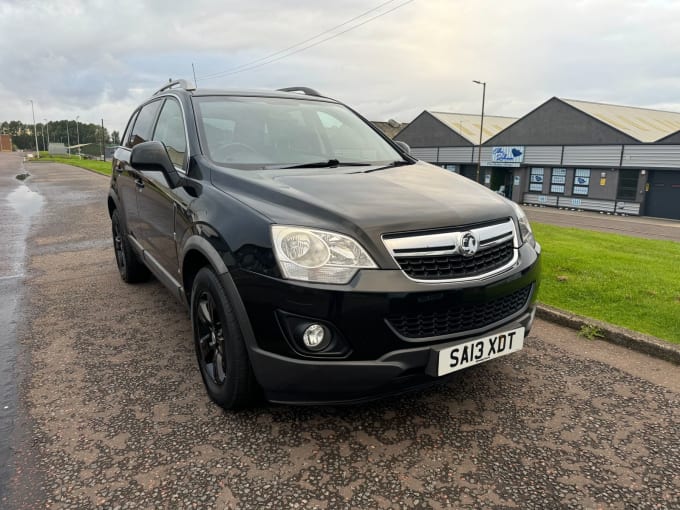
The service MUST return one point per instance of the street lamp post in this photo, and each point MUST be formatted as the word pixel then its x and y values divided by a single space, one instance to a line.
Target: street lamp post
pixel 47 123
pixel 78 135
pixel 35 131
pixel 481 127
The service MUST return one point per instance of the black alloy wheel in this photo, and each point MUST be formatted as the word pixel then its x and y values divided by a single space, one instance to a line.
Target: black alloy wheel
pixel 131 269
pixel 220 349
pixel 210 339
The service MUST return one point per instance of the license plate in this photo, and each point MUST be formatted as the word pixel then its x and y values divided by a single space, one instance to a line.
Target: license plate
pixel 473 352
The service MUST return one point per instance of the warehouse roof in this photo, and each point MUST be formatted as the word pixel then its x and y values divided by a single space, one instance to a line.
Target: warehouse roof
pixel 391 128
pixel 467 126
pixel 643 124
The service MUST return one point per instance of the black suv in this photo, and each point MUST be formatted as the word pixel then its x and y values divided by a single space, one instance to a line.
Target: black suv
pixel 319 260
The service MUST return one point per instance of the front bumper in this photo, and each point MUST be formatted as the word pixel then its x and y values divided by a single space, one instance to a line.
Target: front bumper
pixel 296 381
pixel 379 360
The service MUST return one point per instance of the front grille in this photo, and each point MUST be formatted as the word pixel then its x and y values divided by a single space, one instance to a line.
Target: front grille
pixel 442 255
pixel 443 267
pixel 460 318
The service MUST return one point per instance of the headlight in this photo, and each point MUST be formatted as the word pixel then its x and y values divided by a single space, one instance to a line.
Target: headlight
pixel 526 234
pixel 317 255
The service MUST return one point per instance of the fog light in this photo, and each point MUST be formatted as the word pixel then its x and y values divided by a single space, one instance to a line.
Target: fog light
pixel 316 337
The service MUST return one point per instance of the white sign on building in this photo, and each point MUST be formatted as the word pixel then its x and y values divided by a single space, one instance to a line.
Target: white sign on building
pixel 510 156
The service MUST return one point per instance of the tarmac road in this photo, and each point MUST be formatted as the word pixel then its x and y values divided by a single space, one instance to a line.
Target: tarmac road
pixel 636 226
pixel 112 412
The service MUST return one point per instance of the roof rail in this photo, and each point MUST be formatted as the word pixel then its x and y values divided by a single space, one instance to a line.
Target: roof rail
pixel 183 84
pixel 305 90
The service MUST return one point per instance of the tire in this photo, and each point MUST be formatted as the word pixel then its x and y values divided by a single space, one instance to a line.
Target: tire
pixel 220 349
pixel 131 269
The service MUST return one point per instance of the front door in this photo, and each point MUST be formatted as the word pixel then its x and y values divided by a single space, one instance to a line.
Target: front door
pixel 156 201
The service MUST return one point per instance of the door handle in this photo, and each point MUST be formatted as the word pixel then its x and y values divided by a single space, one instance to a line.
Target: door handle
pixel 118 168
pixel 139 183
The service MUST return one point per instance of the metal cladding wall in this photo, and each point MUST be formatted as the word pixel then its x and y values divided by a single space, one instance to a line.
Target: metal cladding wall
pixel 455 154
pixel 425 153
pixel 543 155
pixel 5 143
pixel 595 155
pixel 651 156
pixel 486 154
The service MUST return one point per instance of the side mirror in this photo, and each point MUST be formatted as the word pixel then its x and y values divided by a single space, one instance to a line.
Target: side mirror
pixel 403 146
pixel 154 156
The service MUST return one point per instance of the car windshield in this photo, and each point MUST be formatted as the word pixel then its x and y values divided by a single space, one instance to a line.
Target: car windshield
pixel 264 132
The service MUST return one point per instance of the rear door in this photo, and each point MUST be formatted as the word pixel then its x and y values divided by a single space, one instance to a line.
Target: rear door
pixel 124 180
pixel 129 180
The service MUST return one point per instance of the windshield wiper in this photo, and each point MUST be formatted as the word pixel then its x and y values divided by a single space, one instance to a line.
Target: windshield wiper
pixel 331 163
pixel 401 162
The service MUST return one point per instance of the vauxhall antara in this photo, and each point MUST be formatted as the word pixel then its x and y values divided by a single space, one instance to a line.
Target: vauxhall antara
pixel 320 261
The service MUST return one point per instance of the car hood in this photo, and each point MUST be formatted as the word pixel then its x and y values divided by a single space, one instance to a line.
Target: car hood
pixel 376 200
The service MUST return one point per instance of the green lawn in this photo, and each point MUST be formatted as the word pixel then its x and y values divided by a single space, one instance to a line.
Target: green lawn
pixel 627 281
pixel 101 167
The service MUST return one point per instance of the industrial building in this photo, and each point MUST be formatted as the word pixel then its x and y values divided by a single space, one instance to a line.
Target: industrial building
pixel 565 153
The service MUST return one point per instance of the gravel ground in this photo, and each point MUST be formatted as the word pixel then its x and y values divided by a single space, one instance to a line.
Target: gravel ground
pixel 113 413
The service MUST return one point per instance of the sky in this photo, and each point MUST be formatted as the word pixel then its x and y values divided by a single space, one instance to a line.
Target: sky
pixel 99 59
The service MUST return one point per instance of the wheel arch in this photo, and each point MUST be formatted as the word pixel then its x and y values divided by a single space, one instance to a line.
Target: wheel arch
pixel 112 203
pixel 197 253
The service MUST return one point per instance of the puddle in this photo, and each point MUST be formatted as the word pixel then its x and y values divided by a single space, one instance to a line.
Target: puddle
pixel 24 201
pixel 23 176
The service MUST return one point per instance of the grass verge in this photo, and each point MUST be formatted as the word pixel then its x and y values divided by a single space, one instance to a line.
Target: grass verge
pixel 626 281
pixel 101 167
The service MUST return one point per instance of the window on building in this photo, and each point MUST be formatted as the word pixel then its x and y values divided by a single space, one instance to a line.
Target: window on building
pixel 536 179
pixel 557 180
pixel 450 168
pixel 581 181
pixel 628 180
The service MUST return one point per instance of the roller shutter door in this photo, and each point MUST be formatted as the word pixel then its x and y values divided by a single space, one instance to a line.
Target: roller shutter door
pixel 663 198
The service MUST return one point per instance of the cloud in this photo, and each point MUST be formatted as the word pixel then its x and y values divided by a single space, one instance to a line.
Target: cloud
pixel 100 59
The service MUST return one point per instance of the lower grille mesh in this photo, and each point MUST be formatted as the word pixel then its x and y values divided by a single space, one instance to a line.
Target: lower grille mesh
pixel 461 318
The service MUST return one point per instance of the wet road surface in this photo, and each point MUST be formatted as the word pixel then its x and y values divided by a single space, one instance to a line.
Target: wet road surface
pixel 18 205
pixel 113 413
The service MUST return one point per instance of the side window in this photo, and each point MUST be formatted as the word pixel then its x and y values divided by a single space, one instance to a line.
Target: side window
pixel 141 132
pixel 128 130
pixel 170 131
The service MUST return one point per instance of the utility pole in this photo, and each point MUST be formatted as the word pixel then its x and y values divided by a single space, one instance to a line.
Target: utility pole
pixel 103 148
pixel 481 127
pixel 48 134
pixel 68 140
pixel 78 135
pixel 42 133
pixel 35 131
